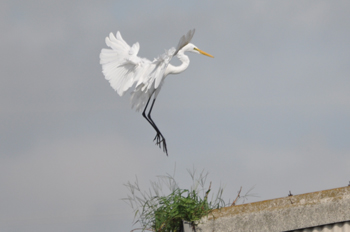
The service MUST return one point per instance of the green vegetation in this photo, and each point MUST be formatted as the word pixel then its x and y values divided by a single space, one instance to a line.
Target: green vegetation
pixel 176 207
pixel 160 212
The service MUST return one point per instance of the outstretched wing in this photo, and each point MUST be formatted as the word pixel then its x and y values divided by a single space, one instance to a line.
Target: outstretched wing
pixel 120 65
pixel 123 68
pixel 184 40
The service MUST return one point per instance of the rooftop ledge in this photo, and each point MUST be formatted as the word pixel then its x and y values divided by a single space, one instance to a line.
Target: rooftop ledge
pixel 282 214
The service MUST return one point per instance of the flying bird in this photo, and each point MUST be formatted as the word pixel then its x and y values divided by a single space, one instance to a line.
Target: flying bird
pixel 123 69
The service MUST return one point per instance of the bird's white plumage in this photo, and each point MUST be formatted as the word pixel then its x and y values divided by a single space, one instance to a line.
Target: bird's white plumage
pixel 123 68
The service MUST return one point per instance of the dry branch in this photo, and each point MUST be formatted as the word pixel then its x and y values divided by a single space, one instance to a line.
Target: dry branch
pixel 238 196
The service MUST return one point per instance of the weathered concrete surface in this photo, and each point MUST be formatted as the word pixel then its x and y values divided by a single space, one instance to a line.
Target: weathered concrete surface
pixel 282 214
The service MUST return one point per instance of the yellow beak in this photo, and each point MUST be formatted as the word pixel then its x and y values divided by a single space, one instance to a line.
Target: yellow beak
pixel 203 53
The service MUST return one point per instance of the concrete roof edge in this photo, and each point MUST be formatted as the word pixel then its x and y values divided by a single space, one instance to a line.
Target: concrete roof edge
pixel 287 213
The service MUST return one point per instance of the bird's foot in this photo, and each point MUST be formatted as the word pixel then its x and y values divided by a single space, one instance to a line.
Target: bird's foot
pixel 158 138
pixel 160 141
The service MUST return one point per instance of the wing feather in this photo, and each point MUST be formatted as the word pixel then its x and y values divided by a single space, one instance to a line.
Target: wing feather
pixel 121 63
pixel 184 40
pixel 123 68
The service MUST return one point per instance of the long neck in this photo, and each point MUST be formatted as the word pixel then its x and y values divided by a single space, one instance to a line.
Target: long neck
pixel 178 69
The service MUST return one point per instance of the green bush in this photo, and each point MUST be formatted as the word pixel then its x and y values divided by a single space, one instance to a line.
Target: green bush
pixel 160 212
pixel 176 207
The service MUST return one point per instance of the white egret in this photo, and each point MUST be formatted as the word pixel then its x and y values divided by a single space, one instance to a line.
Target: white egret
pixel 123 68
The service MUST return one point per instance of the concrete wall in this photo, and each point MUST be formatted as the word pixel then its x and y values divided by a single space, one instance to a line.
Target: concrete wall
pixel 336 227
pixel 282 214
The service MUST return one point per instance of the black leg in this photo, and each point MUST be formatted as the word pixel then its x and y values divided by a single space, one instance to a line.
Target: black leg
pixel 144 112
pixel 150 120
pixel 160 140
pixel 159 137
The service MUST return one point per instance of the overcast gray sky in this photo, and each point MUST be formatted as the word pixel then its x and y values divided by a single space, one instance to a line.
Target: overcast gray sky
pixel 271 109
